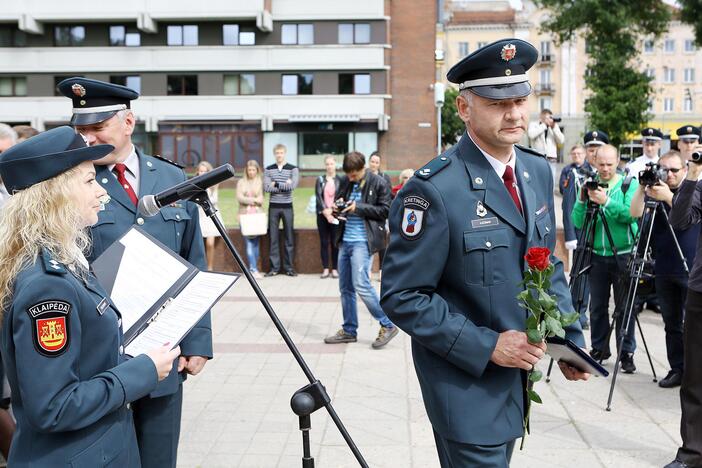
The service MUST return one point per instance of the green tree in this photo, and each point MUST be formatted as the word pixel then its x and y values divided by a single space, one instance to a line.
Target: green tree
pixel 452 127
pixel 691 13
pixel 612 29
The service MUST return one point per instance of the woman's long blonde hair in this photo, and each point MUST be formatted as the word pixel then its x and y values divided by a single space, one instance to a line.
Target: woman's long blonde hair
pixel 41 216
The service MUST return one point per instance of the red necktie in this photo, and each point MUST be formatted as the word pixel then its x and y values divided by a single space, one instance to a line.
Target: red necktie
pixel 511 185
pixel 119 169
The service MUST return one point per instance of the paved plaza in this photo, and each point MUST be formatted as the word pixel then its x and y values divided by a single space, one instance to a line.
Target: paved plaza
pixel 237 413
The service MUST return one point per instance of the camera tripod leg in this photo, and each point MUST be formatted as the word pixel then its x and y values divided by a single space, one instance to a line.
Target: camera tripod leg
pixel 643 340
pixel 620 350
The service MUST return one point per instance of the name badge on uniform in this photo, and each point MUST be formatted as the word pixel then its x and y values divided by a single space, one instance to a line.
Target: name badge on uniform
pixel 481 223
pixel 102 306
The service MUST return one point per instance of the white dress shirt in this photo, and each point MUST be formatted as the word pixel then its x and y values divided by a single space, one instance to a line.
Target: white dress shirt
pixel 132 172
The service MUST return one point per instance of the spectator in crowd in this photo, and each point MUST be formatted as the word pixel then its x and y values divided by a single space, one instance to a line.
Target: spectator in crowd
pixel 544 136
pixel 325 192
pixel 606 268
pixel 652 138
pixel 24 132
pixel 688 139
pixel 403 178
pixel 569 185
pixel 671 278
pixel 593 140
pixel 361 233
pixel 209 230
pixel 249 193
pixel 8 138
pixel 374 167
pixel 280 179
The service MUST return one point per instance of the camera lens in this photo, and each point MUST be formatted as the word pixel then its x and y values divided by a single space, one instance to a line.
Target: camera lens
pixel 696 157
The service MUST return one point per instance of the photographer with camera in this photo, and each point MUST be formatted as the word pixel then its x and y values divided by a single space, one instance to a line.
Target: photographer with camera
pixel 606 269
pixel 651 139
pixel 661 183
pixel 686 212
pixel 544 136
pixel 362 205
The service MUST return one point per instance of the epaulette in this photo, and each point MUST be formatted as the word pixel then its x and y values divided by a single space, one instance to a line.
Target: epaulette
pixel 433 167
pixel 531 151
pixel 168 161
pixel 51 265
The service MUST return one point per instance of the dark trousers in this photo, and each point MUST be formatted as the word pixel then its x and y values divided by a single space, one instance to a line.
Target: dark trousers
pixel 691 388
pixel 157 424
pixel 583 280
pixel 327 234
pixel 457 455
pixel 605 274
pixel 275 214
pixel 672 292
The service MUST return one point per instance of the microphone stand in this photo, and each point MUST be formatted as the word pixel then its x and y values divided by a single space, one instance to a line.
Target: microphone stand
pixel 309 398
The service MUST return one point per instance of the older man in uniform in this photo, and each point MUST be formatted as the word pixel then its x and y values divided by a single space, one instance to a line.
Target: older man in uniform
pixel 101 112
pixel 459 233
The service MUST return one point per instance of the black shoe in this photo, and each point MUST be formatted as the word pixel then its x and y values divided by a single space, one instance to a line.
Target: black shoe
pixel 291 273
pixel 677 464
pixel 598 355
pixel 272 273
pixel 628 366
pixel 673 379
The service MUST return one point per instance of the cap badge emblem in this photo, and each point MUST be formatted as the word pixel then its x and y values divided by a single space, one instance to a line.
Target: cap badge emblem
pixel 689 129
pixel 480 209
pixel 78 89
pixel 508 52
pixel 650 131
pixel 594 134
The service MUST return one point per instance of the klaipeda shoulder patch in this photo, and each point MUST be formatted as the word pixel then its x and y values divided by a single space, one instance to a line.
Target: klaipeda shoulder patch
pixel 413 217
pixel 50 323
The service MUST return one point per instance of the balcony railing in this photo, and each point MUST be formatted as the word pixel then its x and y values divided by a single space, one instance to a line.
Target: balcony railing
pixel 545 88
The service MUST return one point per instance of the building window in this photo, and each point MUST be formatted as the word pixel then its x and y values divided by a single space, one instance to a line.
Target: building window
pixel 462 49
pixel 230 34
pixel 668 75
pixel 247 38
pixel 67 36
pixel 13 86
pixel 297 84
pixel 544 103
pixel 668 104
pixel 182 35
pixel 651 73
pixel 130 81
pixel 182 85
pixel 358 83
pixel 12 37
pixel 357 33
pixel 244 83
pixel 297 34
pixel 648 46
pixel 545 77
pixel 121 36
pixel 669 46
pixel 546 50
pixel 689 75
pixel 690 45
pixel 687 104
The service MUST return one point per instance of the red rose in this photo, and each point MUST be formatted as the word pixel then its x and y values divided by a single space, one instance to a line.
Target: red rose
pixel 538 258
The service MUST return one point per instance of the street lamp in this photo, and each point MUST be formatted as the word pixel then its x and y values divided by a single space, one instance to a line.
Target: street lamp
pixel 439 103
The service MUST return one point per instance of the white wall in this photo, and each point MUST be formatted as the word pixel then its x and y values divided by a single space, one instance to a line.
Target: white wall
pixel 328 9
pixel 270 139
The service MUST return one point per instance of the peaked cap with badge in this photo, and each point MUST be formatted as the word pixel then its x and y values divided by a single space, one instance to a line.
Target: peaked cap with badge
pixel 652 134
pixel 496 71
pixel 454 266
pixel 596 138
pixel 46 155
pixel 95 101
pixel 688 132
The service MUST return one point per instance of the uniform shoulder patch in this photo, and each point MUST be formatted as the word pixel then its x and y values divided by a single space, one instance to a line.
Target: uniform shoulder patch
pixel 531 151
pixel 412 223
pixel 50 323
pixel 173 163
pixel 433 167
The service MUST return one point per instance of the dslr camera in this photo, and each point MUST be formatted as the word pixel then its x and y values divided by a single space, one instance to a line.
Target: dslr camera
pixel 696 157
pixel 589 177
pixel 557 119
pixel 652 175
pixel 339 206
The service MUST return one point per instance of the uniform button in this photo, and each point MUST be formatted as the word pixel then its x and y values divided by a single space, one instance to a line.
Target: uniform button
pixel 488 244
pixel 121 350
pixel 119 322
pixel 140 221
pixel 129 406
pixel 548 229
pixel 177 216
pixel 443 158
pixel 104 180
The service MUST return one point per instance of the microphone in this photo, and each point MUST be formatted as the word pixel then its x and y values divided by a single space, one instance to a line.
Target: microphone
pixel 150 205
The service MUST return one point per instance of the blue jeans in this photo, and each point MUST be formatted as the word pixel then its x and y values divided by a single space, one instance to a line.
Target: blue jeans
pixel 354 262
pixel 252 252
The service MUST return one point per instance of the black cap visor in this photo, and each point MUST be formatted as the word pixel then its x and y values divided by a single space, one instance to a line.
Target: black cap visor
pixel 506 91
pixel 93 118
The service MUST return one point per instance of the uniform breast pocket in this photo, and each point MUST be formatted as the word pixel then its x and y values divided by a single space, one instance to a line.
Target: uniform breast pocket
pixel 544 229
pixel 485 254
pixel 175 222
pixel 106 451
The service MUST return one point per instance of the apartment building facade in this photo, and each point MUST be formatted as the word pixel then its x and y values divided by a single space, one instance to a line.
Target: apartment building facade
pixel 225 81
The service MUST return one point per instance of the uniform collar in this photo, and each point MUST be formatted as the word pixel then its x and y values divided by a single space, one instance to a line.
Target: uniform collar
pixel 496 164
pixel 132 162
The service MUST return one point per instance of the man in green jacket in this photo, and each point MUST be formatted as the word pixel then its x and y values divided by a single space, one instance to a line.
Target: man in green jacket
pixel 607 269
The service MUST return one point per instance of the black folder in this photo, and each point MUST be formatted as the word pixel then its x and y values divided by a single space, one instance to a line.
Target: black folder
pixel 565 350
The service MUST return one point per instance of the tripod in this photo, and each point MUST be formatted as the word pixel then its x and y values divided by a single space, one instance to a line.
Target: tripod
pixel 309 398
pixel 635 272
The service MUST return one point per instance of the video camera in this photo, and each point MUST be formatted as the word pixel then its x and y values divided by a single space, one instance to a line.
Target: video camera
pixel 652 175
pixel 589 177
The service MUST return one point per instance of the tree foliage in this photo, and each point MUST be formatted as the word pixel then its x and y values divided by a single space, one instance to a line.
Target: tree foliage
pixel 691 13
pixel 452 127
pixel 612 29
